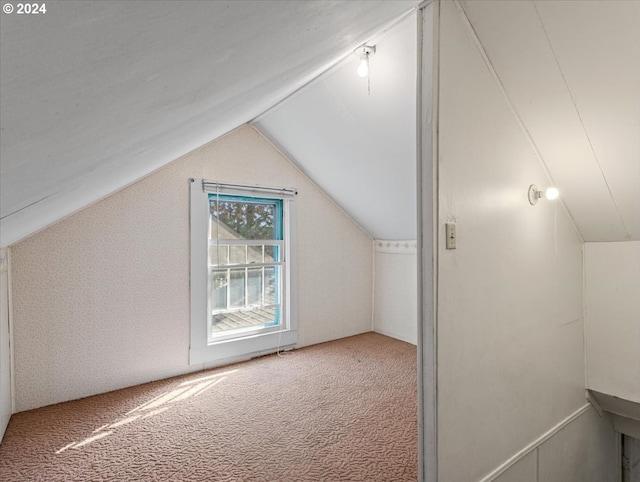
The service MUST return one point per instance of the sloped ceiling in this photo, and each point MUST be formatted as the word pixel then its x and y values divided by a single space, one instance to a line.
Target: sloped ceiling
pixel 96 95
pixel 358 141
pixel 571 70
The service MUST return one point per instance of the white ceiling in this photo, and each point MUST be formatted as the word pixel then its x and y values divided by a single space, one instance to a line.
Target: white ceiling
pixel 360 148
pixel 96 95
pixel 572 72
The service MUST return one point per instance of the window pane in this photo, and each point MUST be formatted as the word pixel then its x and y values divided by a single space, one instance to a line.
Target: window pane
pixel 243 219
pixel 236 288
pixel 219 284
pixel 219 255
pixel 230 321
pixel 254 254
pixel 254 287
pixel 271 288
pixel 237 254
pixel 270 254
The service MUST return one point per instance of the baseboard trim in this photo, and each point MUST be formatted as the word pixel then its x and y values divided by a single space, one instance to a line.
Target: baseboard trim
pixel 535 444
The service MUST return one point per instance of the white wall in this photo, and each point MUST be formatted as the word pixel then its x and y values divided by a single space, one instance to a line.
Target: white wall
pixel 395 309
pixel 510 314
pixel 584 450
pixel 101 299
pixel 612 295
pixel 5 354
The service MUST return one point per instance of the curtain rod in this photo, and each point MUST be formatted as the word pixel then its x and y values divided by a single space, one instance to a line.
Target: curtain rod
pixel 285 191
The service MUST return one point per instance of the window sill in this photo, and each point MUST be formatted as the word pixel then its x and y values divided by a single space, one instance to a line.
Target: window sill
pixel 249 346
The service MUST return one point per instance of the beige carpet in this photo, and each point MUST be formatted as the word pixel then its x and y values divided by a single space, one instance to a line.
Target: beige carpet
pixel 338 411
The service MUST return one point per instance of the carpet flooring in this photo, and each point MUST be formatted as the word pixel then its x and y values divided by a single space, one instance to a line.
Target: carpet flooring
pixel 338 411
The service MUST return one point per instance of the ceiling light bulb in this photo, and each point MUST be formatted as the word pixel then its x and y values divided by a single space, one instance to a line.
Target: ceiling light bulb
pixel 552 193
pixel 534 194
pixel 363 68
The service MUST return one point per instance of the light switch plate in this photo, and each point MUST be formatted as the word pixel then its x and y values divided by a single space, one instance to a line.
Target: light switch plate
pixel 450 233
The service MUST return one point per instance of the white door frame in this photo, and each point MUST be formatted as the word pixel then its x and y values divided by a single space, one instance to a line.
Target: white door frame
pixel 427 198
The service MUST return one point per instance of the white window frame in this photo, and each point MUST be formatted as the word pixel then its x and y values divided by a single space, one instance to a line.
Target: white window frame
pixel 203 349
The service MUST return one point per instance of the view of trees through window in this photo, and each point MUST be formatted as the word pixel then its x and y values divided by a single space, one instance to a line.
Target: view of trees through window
pixel 248 220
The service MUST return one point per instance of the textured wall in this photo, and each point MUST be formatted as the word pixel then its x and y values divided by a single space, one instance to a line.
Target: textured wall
pixel 101 299
pixel 5 356
pixel 510 315
pixel 395 307
pixel 612 299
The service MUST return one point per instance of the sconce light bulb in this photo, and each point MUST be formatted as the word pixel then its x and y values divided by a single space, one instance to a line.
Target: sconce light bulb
pixel 363 68
pixel 552 193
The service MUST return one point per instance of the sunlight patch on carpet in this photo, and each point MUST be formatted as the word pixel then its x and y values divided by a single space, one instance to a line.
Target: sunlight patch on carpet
pixel 155 406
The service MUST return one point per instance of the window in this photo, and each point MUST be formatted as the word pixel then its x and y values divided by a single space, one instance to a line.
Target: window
pixel 241 270
pixel 245 264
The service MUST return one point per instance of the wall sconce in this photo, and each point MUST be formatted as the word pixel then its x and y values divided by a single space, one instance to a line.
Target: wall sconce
pixel 365 52
pixel 534 194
